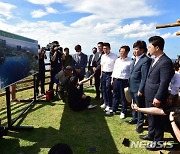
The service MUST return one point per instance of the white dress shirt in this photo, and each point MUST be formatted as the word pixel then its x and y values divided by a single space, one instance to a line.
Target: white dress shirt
pixel 175 83
pixel 107 62
pixel 122 68
pixel 92 59
pixel 156 59
pixel 137 58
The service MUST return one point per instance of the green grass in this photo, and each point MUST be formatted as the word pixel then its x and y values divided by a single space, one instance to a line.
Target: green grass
pixel 54 122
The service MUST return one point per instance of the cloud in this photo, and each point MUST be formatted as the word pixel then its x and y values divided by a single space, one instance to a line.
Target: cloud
pixel 135 30
pixel 46 32
pixel 102 21
pixel 51 10
pixel 110 11
pixel 45 2
pixel 104 27
pixel 168 35
pixel 38 13
pixel 6 10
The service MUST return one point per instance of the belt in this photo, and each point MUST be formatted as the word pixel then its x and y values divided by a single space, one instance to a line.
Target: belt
pixel 107 72
pixel 121 79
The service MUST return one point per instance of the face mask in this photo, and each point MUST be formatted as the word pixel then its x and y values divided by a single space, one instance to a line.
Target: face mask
pixel 78 53
pixel 94 51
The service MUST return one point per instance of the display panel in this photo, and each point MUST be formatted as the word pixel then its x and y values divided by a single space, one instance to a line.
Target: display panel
pixel 18 58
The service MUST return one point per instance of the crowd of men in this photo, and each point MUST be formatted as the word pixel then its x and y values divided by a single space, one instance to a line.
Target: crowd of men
pixel 148 79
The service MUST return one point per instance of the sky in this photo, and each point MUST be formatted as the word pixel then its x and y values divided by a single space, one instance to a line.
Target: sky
pixel 86 22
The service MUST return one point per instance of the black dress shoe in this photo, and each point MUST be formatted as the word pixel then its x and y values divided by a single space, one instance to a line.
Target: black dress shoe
pixel 97 98
pixel 139 129
pixel 131 122
pixel 145 137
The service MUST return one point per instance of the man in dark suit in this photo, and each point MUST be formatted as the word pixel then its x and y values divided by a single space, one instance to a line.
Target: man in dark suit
pixel 137 80
pixel 79 63
pixel 156 88
pixel 97 68
pixel 90 63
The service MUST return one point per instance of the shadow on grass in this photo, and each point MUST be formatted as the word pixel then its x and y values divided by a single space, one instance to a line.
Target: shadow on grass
pixel 85 130
pixel 38 139
pixel 81 130
pixel 17 109
pixel 89 90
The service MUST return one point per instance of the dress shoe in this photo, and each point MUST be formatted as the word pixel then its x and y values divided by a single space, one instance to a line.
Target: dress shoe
pixel 131 122
pixel 139 129
pixel 97 98
pixel 145 137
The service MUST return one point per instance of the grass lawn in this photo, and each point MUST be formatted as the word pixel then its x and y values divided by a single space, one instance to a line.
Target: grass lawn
pixel 54 122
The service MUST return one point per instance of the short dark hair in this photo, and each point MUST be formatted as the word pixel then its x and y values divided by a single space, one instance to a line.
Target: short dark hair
pixel 177 117
pixel 77 47
pixel 157 41
pixel 176 66
pixel 61 49
pixel 55 42
pixel 66 49
pixel 107 45
pixel 68 68
pixel 126 47
pixel 94 48
pixel 100 43
pixel 140 44
pixel 60 148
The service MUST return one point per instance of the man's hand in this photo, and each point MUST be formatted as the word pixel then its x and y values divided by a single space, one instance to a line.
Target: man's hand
pixel 112 82
pixel 63 57
pixel 134 107
pixel 156 102
pixel 94 69
pixel 100 76
pixel 139 93
pixel 78 70
pixel 84 96
pixel 91 77
pixel 171 116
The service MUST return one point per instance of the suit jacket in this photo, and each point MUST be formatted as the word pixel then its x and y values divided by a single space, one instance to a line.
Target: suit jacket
pixel 158 79
pixel 97 61
pixel 138 74
pixel 80 63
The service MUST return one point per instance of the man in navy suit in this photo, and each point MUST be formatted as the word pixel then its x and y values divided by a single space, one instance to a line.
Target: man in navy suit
pixel 79 64
pixel 97 68
pixel 90 63
pixel 156 88
pixel 137 80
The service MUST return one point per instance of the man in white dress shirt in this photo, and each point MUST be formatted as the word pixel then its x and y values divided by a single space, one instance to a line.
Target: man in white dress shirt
pixel 174 86
pixel 107 65
pixel 119 81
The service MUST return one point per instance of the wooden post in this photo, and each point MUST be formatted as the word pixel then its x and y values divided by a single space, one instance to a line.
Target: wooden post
pixel 13 92
pixel 169 25
pixel 178 33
